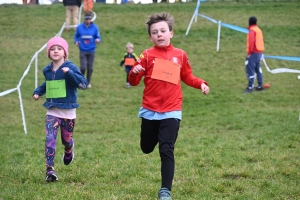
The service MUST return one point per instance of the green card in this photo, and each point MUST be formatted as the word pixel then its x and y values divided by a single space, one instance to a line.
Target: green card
pixel 56 89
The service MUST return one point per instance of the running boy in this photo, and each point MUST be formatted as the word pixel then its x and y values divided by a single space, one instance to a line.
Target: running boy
pixel 162 66
pixel 129 59
pixel 62 78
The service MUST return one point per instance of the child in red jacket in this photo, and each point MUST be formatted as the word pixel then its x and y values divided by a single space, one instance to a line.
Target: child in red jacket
pixel 163 67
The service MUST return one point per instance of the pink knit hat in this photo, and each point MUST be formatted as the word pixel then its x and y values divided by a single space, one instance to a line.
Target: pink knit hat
pixel 59 41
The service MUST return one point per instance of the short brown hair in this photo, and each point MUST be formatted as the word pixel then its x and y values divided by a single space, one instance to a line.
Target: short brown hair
pixel 158 17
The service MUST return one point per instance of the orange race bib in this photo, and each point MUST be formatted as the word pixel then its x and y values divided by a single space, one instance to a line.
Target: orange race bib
pixel 166 71
pixel 129 61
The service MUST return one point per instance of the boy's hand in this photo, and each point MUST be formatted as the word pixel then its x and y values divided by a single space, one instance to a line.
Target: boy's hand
pixel 35 97
pixel 137 69
pixel 97 40
pixel 204 88
pixel 65 69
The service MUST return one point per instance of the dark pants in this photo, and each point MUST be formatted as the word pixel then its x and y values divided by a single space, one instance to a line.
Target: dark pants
pixel 86 63
pixel 164 132
pixel 66 129
pixel 127 70
pixel 252 67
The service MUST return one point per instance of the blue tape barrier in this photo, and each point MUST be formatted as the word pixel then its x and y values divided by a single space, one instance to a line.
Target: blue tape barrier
pixel 244 30
pixel 284 58
pixel 208 18
pixel 237 28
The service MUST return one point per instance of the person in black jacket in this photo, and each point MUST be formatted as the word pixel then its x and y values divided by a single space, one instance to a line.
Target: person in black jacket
pixel 72 8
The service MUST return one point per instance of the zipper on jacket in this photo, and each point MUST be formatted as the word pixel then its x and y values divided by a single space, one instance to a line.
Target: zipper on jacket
pixel 164 88
pixel 53 78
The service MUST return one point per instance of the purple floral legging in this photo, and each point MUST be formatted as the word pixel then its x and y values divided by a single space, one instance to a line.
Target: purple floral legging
pixel 66 129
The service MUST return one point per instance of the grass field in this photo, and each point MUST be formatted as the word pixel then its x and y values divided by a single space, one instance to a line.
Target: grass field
pixel 231 145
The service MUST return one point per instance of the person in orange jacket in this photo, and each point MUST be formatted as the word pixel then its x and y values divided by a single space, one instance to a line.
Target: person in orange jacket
pixel 255 48
pixel 163 68
pixel 88 5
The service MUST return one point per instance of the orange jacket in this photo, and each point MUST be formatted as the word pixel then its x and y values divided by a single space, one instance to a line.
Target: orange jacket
pixel 88 5
pixel 255 40
pixel 162 96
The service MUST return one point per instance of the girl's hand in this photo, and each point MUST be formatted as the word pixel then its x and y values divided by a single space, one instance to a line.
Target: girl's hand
pixel 35 97
pixel 204 88
pixel 137 69
pixel 65 69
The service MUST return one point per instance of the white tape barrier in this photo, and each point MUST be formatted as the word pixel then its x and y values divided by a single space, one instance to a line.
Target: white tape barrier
pixel 280 70
pixel 7 92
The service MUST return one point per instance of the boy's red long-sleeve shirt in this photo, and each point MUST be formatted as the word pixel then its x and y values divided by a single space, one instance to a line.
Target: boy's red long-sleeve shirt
pixel 161 96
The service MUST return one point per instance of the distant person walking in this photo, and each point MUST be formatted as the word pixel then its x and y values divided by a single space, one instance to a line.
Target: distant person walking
pixel 255 48
pixel 72 8
pixel 62 78
pixel 162 68
pixel 128 60
pixel 88 5
pixel 86 36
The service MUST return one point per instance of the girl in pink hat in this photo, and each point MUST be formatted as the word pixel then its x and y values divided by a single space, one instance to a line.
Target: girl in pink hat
pixel 62 79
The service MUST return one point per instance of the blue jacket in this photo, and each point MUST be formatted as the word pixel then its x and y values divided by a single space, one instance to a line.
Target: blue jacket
pixel 86 36
pixel 73 78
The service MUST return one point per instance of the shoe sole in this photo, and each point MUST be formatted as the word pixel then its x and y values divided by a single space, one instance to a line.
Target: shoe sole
pixel 73 155
pixel 51 178
pixel 165 198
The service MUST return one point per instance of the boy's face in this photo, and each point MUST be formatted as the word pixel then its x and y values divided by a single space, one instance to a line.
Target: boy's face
pixel 88 22
pixel 160 34
pixel 129 49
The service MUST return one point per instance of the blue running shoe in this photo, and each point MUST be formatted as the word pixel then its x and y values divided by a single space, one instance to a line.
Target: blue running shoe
pixel 51 175
pixel 164 194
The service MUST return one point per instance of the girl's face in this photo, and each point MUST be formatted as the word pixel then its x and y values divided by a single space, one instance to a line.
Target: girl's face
pixel 160 34
pixel 129 49
pixel 57 53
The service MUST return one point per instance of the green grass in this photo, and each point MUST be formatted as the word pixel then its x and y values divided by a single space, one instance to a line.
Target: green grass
pixel 231 145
